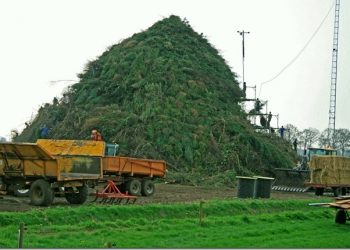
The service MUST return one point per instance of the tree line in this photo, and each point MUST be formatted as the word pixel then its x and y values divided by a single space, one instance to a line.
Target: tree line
pixel 312 137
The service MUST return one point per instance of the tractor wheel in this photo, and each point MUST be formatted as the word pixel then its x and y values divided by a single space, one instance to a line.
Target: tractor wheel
pixel 133 187
pixel 340 217
pixel 78 196
pixel 319 191
pixel 147 188
pixel 40 193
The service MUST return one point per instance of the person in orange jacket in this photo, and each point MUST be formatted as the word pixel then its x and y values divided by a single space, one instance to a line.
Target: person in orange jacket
pixel 96 136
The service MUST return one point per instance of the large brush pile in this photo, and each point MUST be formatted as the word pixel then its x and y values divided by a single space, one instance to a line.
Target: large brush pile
pixel 165 93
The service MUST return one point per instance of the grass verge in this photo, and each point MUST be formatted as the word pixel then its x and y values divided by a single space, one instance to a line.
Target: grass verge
pixel 226 224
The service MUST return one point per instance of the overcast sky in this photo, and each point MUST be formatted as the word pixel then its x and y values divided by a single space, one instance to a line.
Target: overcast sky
pixel 50 40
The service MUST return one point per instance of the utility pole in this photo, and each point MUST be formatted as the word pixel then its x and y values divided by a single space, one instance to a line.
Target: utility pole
pixel 242 33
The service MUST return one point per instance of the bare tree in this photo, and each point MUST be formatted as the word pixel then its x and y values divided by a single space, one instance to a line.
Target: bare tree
pixel 292 132
pixel 323 140
pixel 309 136
pixel 342 139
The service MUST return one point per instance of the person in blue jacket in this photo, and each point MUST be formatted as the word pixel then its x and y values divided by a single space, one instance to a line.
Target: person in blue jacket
pixel 44 132
pixel 281 130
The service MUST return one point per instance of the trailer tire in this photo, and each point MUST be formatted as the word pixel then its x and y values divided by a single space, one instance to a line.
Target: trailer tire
pixel 340 217
pixel 133 187
pixel 40 193
pixel 77 197
pixel 147 188
pixel 319 191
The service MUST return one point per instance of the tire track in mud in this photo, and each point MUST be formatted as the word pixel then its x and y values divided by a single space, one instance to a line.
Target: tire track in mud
pixel 165 193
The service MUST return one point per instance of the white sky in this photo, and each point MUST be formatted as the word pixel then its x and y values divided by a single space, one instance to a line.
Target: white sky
pixel 50 40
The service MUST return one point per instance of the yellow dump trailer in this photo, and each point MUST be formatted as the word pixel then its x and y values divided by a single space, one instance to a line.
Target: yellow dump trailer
pixel 33 166
pixel 130 174
pixel 55 167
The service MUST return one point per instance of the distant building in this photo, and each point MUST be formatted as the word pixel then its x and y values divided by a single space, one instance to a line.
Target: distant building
pixel 2 139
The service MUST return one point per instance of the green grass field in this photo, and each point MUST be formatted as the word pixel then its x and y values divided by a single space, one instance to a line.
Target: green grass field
pixel 225 224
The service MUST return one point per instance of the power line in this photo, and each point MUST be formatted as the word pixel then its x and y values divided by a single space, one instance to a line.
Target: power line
pixel 300 52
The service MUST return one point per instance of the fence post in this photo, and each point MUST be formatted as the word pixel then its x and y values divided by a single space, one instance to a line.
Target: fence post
pixel 201 214
pixel 20 235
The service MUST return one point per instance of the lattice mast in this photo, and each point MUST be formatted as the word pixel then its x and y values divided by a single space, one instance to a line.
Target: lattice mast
pixel 333 92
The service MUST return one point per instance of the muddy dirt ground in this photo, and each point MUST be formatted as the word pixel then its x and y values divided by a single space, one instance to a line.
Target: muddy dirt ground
pixel 165 193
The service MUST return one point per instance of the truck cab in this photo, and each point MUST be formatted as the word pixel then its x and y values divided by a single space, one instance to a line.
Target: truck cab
pixel 320 151
pixel 112 149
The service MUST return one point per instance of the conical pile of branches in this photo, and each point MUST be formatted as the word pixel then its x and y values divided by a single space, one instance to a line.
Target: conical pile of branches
pixel 164 93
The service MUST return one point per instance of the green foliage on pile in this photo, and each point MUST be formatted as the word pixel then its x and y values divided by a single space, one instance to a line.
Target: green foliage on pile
pixel 165 93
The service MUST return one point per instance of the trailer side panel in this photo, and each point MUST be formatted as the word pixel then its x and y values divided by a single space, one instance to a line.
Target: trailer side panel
pixel 132 166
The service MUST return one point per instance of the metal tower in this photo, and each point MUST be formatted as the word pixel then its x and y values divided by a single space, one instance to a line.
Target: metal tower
pixel 333 92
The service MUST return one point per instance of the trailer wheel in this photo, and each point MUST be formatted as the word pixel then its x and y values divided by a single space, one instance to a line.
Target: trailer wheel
pixel 133 187
pixel 147 188
pixel 40 193
pixel 340 217
pixel 319 191
pixel 78 197
pixel 344 191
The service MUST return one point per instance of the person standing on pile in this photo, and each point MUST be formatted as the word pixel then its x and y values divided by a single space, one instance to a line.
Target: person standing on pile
pixel 281 130
pixel 96 136
pixel 295 144
pixel 269 117
pixel 258 106
pixel 244 88
pixel 44 132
